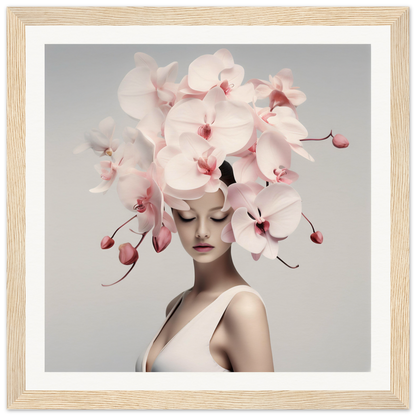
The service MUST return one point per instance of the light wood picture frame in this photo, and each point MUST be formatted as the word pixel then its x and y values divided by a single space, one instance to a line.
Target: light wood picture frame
pixel 18 397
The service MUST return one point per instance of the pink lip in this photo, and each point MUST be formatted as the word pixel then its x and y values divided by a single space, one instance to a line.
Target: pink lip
pixel 203 248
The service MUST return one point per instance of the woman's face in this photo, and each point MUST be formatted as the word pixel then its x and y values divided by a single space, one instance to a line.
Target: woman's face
pixel 200 228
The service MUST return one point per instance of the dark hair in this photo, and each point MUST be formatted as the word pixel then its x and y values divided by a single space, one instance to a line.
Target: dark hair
pixel 227 173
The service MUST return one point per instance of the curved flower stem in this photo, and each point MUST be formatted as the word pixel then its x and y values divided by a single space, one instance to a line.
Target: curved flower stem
pixel 292 267
pixel 131 268
pixel 313 229
pixel 324 138
pixel 143 236
pixel 122 226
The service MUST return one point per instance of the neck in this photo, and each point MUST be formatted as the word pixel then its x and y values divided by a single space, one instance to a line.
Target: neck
pixel 217 276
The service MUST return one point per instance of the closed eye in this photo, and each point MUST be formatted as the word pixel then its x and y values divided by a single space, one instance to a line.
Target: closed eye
pixel 185 219
pixel 219 219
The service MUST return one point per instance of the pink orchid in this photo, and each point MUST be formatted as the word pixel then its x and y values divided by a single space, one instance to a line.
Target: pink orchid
pixel 147 86
pixel 223 123
pixel 283 120
pixel 162 240
pixel 192 167
pixel 274 158
pixel 128 254
pixel 101 140
pixel 107 242
pixel 340 141
pixel 279 90
pixel 139 192
pixel 262 219
pixel 205 70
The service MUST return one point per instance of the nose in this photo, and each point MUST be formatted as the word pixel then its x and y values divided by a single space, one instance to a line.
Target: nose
pixel 202 230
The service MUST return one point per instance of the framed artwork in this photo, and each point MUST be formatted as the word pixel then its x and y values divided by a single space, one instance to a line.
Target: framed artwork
pixel 338 323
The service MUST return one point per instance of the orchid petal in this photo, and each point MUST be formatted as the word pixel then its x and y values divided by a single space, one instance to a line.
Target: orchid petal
pixel 262 91
pixel 193 145
pixel 107 127
pixel 97 140
pixel 227 234
pixel 271 248
pixel 246 169
pixel 272 152
pixel 104 186
pixel 214 96
pixel 225 56
pixel 186 116
pixel 212 185
pixel 137 94
pixel 81 147
pixel 145 149
pixel 233 126
pixel 243 93
pixel 224 188
pixel 182 173
pixel 234 75
pixel 169 223
pixel 130 134
pixel 132 187
pixel 296 97
pixel 256 256
pixel 301 151
pixel 244 231
pixel 166 154
pixel 281 205
pixel 286 76
pixel 146 220
pixel 175 203
pixel 167 74
pixel 203 72
pixel 241 195
pixel 142 59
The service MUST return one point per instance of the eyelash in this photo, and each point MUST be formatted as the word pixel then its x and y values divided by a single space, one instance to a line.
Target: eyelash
pixel 213 219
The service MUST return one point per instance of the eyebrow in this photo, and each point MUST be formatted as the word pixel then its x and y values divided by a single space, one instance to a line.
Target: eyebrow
pixel 212 209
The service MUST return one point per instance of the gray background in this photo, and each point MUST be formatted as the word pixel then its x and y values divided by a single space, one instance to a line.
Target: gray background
pixel 319 314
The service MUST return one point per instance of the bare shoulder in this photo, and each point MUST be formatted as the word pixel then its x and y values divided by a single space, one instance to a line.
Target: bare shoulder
pixel 247 333
pixel 245 306
pixel 172 303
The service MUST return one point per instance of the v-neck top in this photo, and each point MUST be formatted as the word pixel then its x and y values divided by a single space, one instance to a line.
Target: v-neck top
pixel 188 350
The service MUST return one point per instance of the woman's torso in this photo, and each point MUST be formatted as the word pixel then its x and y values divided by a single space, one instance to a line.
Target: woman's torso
pixel 197 344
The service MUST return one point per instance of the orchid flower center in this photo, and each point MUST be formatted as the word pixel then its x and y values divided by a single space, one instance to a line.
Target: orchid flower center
pixel 226 87
pixel 205 131
pixel 253 148
pixel 109 151
pixel 280 173
pixel 140 206
pixel 278 98
pixel 261 226
pixel 204 167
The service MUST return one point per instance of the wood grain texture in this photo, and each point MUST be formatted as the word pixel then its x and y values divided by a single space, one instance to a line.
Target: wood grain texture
pixel 399 208
pixel 398 396
pixel 223 16
pixel 16 205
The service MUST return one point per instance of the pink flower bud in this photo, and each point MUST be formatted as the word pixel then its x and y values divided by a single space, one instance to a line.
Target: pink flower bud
pixel 340 141
pixel 107 242
pixel 162 240
pixel 317 237
pixel 128 254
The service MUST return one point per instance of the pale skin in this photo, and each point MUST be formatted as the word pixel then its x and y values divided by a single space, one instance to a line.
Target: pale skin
pixel 241 341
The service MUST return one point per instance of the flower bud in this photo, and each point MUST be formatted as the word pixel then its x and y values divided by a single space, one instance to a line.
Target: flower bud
pixel 162 240
pixel 107 242
pixel 128 254
pixel 317 237
pixel 340 141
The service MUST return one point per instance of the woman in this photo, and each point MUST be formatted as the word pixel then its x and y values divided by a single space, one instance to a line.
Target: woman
pixel 219 324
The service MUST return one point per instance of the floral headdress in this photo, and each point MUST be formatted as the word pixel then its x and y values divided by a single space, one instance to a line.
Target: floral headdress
pixel 185 132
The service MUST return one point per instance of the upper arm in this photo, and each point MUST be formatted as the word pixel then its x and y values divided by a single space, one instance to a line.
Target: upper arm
pixel 248 339
pixel 172 303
